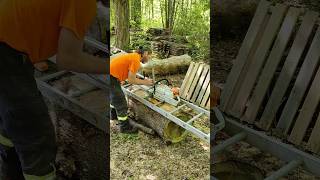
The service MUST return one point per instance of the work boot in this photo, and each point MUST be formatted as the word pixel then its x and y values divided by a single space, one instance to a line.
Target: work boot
pixel 113 114
pixel 127 128
pixel 10 168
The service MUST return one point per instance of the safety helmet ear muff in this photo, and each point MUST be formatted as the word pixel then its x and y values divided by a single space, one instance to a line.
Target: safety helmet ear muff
pixel 141 50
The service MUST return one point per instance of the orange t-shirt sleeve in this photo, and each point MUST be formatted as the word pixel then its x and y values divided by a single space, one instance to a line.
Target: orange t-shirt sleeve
pixel 135 64
pixel 77 15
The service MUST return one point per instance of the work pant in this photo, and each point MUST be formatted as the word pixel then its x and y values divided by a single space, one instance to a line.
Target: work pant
pixel 118 99
pixel 25 125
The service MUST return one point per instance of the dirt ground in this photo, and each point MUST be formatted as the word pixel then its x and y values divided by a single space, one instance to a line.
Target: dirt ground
pixel 267 163
pixel 148 157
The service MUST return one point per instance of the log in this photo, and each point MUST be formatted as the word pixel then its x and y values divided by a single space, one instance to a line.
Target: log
pixel 142 127
pixel 166 129
pixel 172 65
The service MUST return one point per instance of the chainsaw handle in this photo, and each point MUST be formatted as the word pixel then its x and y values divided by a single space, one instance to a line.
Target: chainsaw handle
pixel 157 82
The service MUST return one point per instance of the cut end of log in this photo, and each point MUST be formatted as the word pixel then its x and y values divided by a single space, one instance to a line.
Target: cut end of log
pixel 174 133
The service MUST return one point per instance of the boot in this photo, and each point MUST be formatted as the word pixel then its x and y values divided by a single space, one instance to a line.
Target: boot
pixel 10 167
pixel 113 114
pixel 127 128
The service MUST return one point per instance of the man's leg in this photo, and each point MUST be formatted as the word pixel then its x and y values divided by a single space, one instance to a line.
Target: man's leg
pixel 25 117
pixel 10 167
pixel 118 101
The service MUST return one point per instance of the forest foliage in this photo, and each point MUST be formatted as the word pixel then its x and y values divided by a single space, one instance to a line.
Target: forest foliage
pixel 187 18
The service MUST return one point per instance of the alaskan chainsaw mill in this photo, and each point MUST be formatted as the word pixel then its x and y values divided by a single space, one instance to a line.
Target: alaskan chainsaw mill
pixel 164 93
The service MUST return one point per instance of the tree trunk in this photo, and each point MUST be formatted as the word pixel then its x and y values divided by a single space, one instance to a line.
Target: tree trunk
pixel 122 40
pixel 136 12
pixel 172 65
pixel 167 130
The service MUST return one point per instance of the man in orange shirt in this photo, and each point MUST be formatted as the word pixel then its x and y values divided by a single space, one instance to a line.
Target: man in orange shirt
pixel 30 32
pixel 124 67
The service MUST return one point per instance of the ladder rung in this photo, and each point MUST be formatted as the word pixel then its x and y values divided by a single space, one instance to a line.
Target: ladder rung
pixel 135 90
pixel 177 109
pixel 194 118
pixel 160 102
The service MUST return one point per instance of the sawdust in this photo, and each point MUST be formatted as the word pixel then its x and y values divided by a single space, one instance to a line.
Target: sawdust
pixel 81 148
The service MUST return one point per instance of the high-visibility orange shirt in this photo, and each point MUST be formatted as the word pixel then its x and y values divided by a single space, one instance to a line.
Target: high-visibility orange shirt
pixel 122 64
pixel 33 26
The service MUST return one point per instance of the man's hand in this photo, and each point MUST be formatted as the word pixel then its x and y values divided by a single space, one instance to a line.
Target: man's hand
pixel 70 56
pixel 132 79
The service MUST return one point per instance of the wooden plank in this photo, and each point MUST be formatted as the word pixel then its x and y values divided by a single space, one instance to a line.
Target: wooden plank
pixel 271 65
pixel 208 104
pixel 305 75
pixel 314 140
pixel 203 76
pixel 251 36
pixel 205 97
pixel 186 78
pixel 259 57
pixel 203 89
pixel 195 81
pixel 189 81
pixel 247 64
pixel 306 113
pixel 288 70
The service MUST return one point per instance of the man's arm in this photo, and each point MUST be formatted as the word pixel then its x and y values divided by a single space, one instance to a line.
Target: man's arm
pixel 71 57
pixel 132 79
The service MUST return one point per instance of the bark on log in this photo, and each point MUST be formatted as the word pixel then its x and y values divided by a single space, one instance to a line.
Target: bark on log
pixel 172 65
pixel 166 129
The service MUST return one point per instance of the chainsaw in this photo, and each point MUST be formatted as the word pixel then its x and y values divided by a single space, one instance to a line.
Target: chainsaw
pixel 164 93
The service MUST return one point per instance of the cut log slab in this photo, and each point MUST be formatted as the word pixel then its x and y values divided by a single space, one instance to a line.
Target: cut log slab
pixel 167 130
pixel 170 65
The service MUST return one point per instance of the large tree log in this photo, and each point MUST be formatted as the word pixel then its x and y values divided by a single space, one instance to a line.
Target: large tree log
pixel 166 129
pixel 172 65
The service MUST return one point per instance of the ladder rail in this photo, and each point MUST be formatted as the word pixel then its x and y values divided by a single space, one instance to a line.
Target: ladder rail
pixel 168 115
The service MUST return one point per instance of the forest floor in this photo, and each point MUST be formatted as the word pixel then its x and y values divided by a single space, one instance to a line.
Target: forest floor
pixel 224 52
pixel 148 157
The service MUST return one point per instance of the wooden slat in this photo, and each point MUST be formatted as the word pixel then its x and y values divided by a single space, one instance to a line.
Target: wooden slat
pixel 248 63
pixel 203 89
pixel 208 104
pixel 288 70
pixel 203 76
pixel 251 36
pixel 308 109
pixel 205 97
pixel 305 74
pixel 271 65
pixel 258 60
pixel 189 80
pixel 314 140
pixel 186 78
pixel 194 83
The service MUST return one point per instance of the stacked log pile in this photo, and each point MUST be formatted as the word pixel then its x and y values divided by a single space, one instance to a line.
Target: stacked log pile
pixel 165 45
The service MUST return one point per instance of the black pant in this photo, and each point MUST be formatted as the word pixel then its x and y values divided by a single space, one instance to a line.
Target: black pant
pixel 118 99
pixel 24 117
